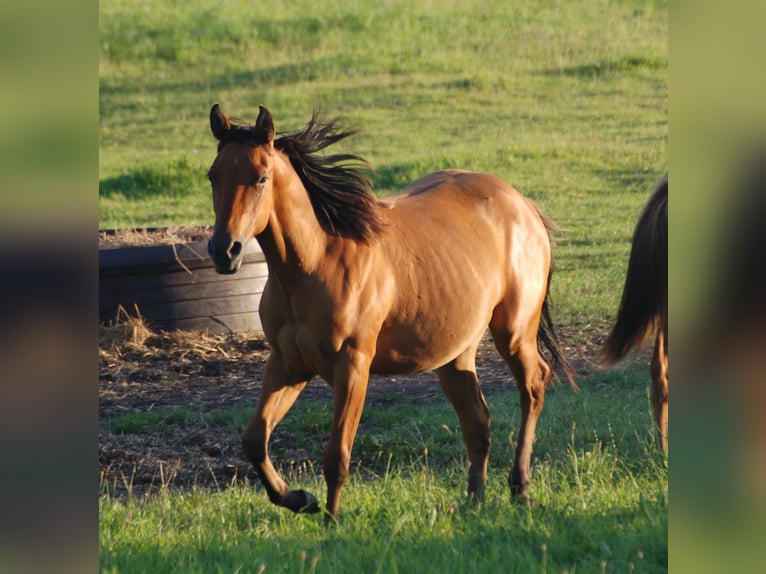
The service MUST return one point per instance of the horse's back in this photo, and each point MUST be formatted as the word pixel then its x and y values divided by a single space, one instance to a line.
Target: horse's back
pixel 454 202
pixel 457 244
pixel 451 185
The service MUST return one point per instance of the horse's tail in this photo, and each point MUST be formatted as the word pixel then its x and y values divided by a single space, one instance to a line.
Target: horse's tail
pixel 644 304
pixel 547 338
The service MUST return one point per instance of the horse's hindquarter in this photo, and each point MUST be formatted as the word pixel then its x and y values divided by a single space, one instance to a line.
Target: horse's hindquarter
pixel 452 240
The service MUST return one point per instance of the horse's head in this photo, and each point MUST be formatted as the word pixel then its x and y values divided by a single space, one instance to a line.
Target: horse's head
pixel 241 177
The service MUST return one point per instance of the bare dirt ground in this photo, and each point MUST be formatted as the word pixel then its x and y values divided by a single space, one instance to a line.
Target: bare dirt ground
pixel 145 372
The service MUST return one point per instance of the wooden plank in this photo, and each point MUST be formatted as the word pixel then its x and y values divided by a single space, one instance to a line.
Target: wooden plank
pixel 217 306
pixel 191 255
pixel 229 323
pixel 178 288
pixel 171 316
pixel 169 280
pixel 176 293
pixel 162 310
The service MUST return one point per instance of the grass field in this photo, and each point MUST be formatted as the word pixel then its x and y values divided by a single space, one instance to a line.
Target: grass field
pixel 600 487
pixel 568 101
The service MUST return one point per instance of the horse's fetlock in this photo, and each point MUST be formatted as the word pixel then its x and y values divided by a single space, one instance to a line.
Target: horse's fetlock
pixel 338 477
pixel 254 450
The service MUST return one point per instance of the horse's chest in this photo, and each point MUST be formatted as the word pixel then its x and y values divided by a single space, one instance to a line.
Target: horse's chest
pixel 307 349
pixel 311 326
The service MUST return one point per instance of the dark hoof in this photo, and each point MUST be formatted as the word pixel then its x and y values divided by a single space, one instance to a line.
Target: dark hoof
pixel 301 501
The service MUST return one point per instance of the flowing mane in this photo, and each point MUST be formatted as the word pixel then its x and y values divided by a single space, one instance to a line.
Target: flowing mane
pixel 338 185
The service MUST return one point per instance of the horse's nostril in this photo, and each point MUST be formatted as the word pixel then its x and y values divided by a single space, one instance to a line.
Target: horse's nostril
pixel 235 249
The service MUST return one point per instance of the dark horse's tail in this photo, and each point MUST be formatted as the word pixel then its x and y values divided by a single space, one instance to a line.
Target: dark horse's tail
pixel 546 334
pixel 644 305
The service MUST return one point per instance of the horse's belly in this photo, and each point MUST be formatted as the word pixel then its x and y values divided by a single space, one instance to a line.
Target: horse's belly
pixel 392 361
pixel 438 316
pixel 413 348
pixel 417 359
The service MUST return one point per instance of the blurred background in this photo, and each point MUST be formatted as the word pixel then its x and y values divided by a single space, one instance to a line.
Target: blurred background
pixel 717 289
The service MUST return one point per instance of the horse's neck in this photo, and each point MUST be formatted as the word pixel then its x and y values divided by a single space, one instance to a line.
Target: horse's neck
pixel 293 241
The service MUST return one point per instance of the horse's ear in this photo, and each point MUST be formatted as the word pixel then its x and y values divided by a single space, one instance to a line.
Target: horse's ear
pixel 265 123
pixel 219 123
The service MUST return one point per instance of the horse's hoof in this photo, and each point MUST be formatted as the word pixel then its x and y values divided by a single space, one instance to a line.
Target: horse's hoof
pixel 301 501
pixel 520 495
pixel 476 498
pixel 524 500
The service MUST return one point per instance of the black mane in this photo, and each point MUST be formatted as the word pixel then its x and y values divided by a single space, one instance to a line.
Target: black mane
pixel 338 185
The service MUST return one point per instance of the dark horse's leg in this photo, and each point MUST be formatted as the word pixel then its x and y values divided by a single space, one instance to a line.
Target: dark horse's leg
pixel 532 376
pixel 460 384
pixel 659 369
pixel 279 391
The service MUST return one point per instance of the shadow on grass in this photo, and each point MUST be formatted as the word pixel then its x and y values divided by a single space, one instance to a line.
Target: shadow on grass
pixel 173 178
pixel 606 67
pixel 637 179
pixel 395 177
pixel 266 76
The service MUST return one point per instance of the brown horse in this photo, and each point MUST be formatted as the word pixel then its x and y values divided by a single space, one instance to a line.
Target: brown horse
pixel 644 306
pixel 359 286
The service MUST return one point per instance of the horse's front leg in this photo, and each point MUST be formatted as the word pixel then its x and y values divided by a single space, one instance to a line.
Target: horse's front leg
pixel 278 393
pixel 349 383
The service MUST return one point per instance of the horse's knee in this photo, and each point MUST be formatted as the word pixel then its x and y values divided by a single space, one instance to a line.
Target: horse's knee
pixel 532 387
pixel 534 397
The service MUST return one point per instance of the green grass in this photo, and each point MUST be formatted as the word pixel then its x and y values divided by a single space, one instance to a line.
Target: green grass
pixel 568 101
pixel 601 494
pixel 157 419
pixel 408 524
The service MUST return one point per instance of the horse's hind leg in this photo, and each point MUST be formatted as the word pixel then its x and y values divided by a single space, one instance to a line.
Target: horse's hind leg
pixel 460 383
pixel 532 376
pixel 659 370
pixel 278 393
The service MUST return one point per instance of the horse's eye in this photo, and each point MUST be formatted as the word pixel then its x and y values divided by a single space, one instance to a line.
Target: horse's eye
pixel 261 181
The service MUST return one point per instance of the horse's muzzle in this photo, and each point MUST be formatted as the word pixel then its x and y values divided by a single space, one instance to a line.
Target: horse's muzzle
pixel 225 253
